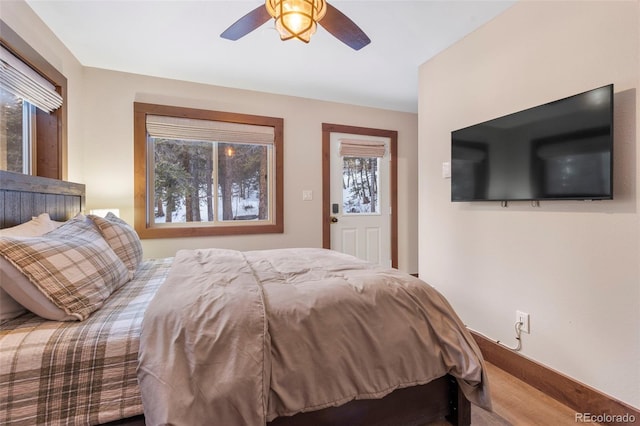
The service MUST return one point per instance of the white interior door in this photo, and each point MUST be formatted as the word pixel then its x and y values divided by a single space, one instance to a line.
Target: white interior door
pixel 360 201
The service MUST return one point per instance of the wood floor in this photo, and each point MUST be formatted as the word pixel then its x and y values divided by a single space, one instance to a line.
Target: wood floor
pixel 516 403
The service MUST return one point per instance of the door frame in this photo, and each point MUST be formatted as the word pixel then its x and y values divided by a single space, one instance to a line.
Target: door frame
pixel 327 129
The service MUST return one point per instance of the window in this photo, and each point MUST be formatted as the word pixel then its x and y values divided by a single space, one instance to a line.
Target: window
pixel 202 172
pixel 361 181
pixel 360 176
pixel 32 110
pixel 17 120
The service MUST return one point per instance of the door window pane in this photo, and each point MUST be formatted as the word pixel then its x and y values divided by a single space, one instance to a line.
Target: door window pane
pixel 360 182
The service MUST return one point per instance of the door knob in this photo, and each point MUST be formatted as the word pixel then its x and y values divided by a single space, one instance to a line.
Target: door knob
pixel 334 219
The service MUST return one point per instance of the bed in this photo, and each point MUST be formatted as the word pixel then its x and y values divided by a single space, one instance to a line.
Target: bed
pixel 96 371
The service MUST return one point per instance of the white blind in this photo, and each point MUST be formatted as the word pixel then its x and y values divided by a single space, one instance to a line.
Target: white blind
pixel 361 148
pixel 21 80
pixel 159 126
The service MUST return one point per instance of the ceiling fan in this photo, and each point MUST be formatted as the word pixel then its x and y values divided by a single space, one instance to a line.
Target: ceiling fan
pixel 297 19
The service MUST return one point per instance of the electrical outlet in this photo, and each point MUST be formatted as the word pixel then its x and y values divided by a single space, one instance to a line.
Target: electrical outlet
pixel 523 317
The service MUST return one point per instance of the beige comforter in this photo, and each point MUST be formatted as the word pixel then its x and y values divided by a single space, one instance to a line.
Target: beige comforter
pixel 239 338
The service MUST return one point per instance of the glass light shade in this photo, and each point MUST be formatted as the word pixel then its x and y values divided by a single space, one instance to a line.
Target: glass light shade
pixel 296 18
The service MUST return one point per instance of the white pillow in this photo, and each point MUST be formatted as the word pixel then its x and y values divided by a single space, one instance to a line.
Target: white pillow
pixel 9 308
pixel 37 226
pixel 40 225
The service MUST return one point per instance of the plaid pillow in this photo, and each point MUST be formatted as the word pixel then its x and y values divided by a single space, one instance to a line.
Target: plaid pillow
pixel 40 225
pixel 122 238
pixel 19 288
pixel 73 266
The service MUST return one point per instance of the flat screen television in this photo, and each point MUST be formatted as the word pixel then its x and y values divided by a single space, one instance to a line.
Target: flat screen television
pixel 562 150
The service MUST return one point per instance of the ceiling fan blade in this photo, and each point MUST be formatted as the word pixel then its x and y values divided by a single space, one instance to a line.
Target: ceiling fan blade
pixel 247 23
pixel 344 29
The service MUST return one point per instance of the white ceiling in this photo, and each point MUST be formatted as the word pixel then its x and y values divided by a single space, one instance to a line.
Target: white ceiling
pixel 180 40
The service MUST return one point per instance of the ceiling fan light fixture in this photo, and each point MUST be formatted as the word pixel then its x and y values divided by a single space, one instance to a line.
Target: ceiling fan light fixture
pixel 296 18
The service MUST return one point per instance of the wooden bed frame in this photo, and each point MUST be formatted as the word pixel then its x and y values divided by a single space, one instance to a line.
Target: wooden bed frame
pixel 23 196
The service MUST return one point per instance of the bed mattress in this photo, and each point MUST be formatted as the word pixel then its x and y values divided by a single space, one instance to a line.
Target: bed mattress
pixel 245 337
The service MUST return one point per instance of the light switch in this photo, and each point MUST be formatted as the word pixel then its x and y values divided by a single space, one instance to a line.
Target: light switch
pixel 307 195
pixel 446 170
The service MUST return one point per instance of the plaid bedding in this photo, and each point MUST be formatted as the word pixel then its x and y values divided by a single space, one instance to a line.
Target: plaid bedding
pixel 77 373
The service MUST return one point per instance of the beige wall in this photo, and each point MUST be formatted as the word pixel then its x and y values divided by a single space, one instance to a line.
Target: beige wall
pixel 108 154
pixel 101 142
pixel 573 266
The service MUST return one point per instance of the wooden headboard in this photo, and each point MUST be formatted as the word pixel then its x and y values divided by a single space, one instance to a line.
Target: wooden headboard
pixel 23 196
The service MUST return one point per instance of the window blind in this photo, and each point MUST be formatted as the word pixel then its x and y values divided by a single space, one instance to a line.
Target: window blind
pixel 25 83
pixel 160 126
pixel 361 148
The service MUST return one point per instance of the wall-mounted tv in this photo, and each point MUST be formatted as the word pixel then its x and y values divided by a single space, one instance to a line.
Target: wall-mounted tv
pixel 562 150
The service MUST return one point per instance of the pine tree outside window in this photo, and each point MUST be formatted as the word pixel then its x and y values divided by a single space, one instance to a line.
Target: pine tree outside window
pixel 206 172
pixel 360 175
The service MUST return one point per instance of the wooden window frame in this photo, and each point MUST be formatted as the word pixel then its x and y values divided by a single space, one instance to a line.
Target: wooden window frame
pixel 141 222
pixel 49 155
